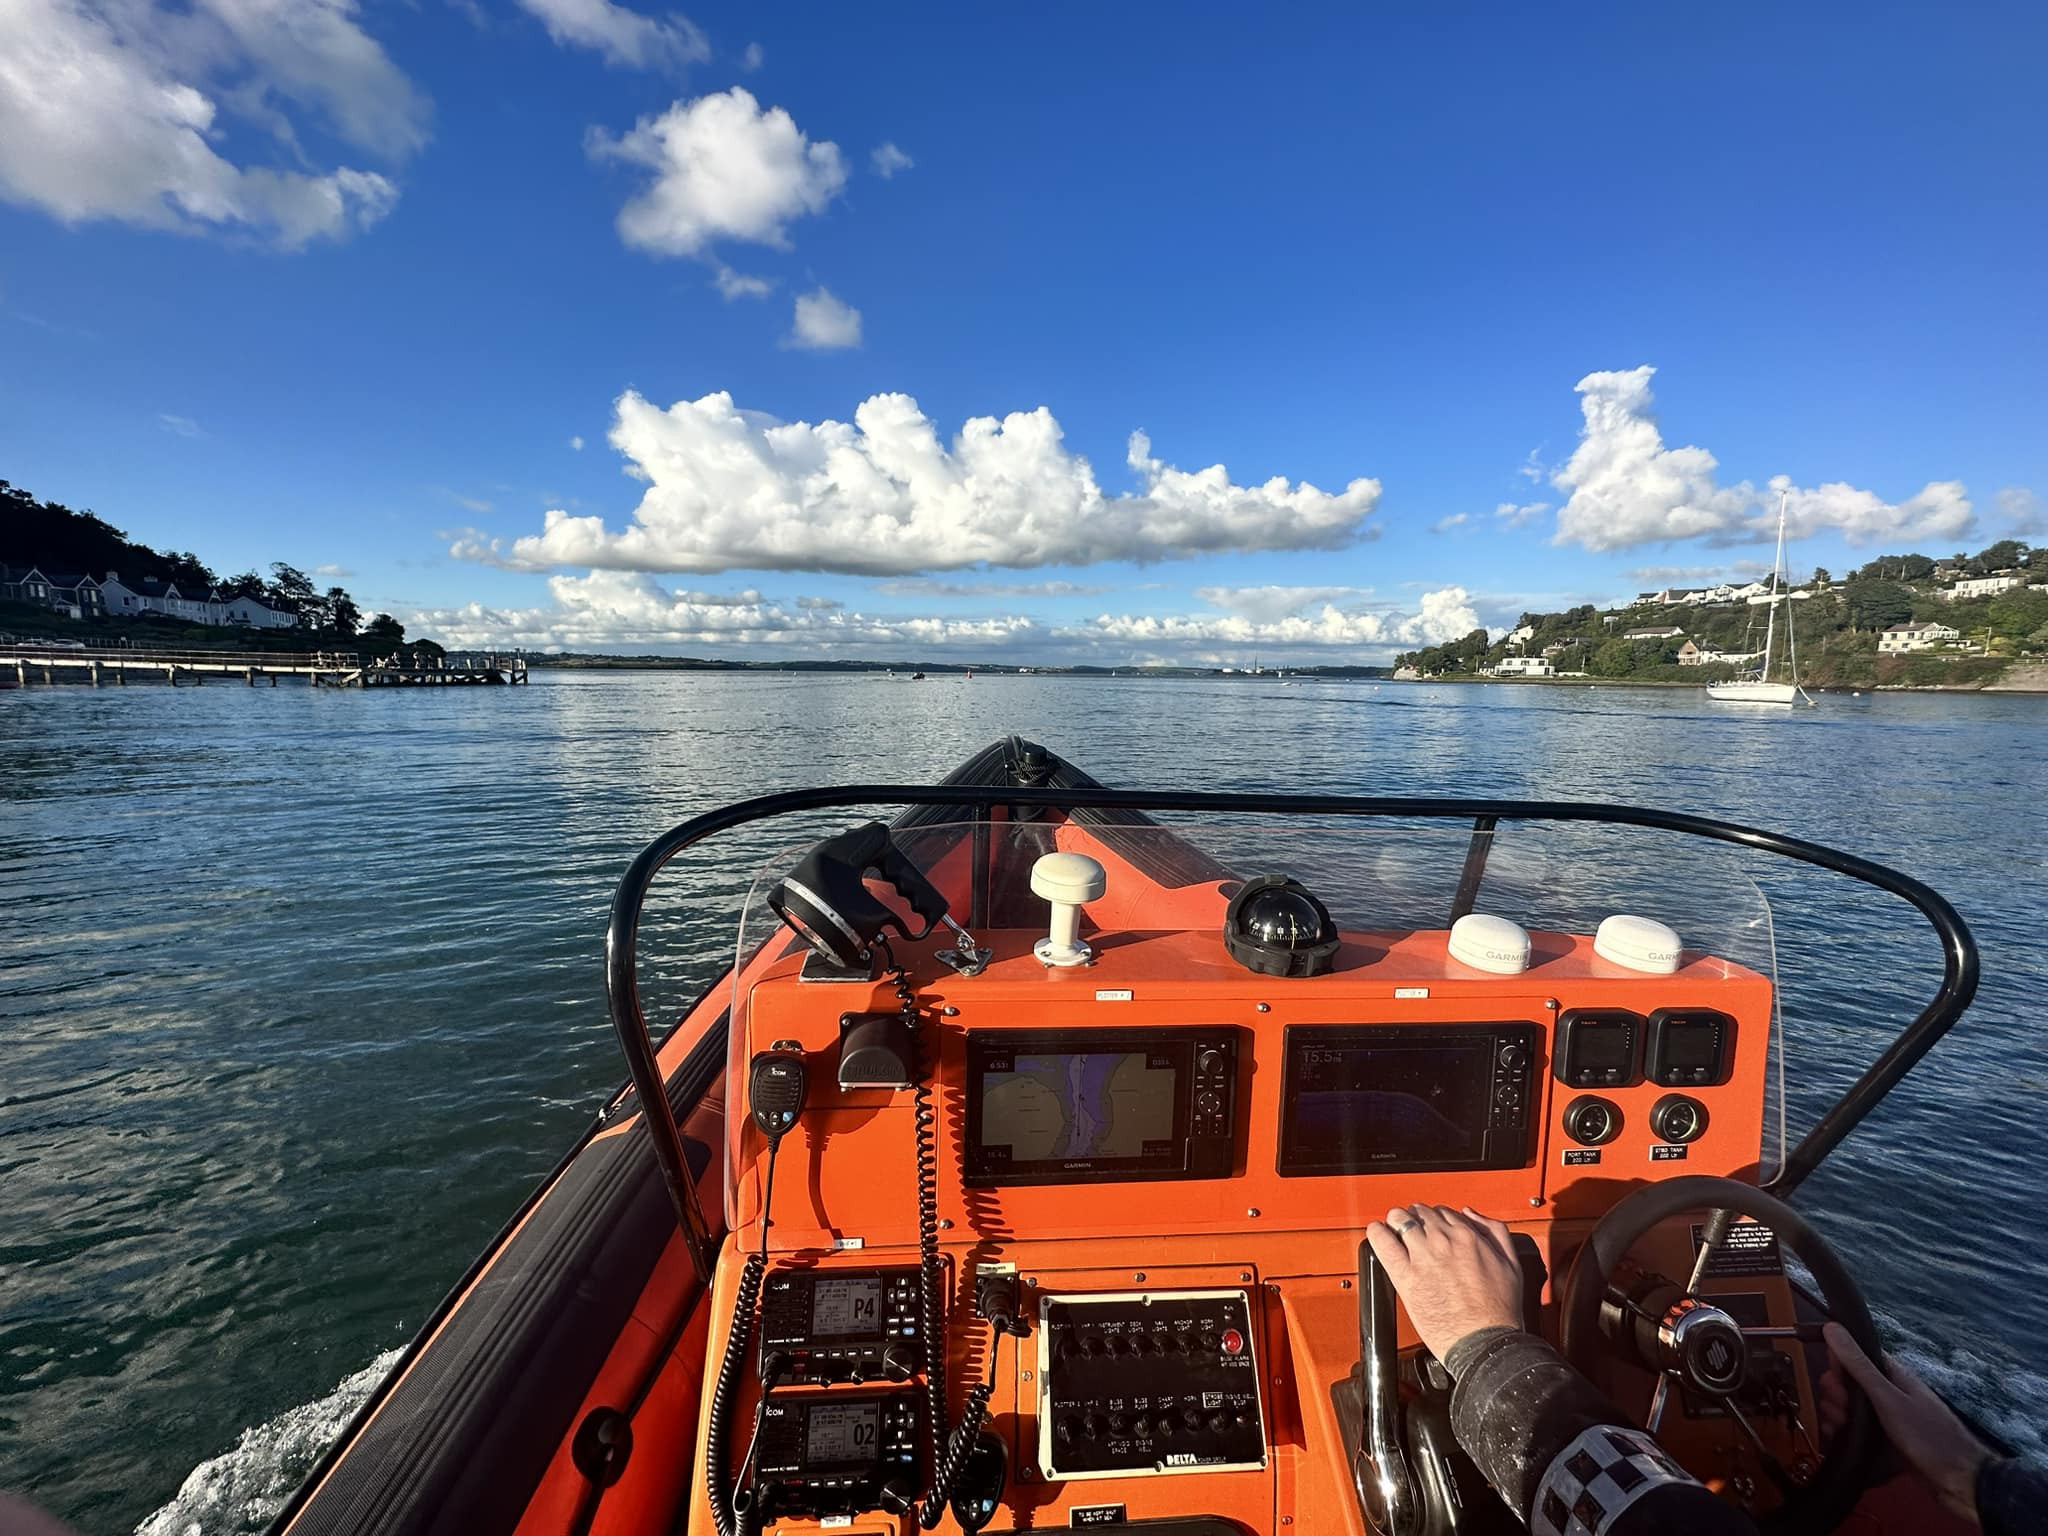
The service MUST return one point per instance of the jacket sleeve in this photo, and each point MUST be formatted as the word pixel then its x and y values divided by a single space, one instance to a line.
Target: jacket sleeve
pixel 2010 1495
pixel 1562 1456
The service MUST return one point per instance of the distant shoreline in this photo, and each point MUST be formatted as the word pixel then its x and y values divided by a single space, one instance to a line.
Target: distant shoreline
pixel 2023 677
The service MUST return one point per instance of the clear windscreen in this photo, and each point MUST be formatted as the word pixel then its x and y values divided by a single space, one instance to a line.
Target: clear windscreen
pixel 1379 878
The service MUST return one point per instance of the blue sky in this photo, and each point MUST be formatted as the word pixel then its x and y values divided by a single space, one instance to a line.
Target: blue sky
pixel 342 284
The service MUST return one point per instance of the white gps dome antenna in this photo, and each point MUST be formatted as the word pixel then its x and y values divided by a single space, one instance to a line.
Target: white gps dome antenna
pixel 1640 943
pixel 1068 881
pixel 1489 943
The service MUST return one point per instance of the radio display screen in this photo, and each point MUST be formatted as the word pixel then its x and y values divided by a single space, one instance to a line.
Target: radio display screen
pixel 840 1308
pixel 841 1434
pixel 1393 1098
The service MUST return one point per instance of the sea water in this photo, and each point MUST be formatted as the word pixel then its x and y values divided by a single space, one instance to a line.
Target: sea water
pixel 301 991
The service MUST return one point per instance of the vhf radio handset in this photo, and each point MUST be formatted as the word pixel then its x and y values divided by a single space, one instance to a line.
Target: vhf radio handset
pixel 775 1102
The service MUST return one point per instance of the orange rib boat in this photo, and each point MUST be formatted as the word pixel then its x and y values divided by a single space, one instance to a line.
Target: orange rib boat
pixel 1015 1178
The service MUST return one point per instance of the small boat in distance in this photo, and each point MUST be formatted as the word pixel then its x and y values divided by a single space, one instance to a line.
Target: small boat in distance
pixel 1758 688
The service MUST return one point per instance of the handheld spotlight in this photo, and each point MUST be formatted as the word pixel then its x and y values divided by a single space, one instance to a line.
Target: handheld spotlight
pixel 827 901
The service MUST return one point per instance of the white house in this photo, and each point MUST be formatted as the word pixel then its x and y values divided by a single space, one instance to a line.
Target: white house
pixel 1661 632
pixel 1523 635
pixel 1690 655
pixel 1981 586
pixel 1915 637
pixel 257 614
pixel 1524 666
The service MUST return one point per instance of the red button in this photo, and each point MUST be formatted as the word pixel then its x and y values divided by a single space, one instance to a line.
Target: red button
pixel 1233 1342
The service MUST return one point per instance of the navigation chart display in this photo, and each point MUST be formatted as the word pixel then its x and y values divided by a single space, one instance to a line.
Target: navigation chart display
pixel 1081 1104
pixel 1067 1106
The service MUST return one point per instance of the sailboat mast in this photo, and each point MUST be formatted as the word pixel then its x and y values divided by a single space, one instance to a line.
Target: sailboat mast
pixel 1771 623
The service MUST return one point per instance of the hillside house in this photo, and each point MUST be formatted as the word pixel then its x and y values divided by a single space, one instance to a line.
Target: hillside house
pixel 1524 666
pixel 257 614
pixel 1657 632
pixel 74 595
pixel 1901 638
pixel 1983 586
pixel 1690 655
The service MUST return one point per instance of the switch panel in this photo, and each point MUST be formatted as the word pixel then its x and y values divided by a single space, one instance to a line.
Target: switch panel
pixel 1148 1382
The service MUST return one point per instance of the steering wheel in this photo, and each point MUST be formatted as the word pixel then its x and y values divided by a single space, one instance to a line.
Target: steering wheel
pixel 1694 1344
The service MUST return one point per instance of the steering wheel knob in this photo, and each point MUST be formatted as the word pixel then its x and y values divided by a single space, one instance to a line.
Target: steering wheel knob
pixel 1704 1345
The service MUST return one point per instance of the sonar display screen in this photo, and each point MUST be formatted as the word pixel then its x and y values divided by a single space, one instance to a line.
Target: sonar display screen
pixel 1084 1111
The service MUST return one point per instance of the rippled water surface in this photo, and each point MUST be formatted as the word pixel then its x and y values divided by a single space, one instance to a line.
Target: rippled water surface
pixel 300 991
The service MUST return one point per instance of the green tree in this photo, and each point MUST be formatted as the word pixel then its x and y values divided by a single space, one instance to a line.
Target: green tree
pixel 2002 556
pixel 290 588
pixel 385 630
pixel 343 616
pixel 248 584
pixel 1878 604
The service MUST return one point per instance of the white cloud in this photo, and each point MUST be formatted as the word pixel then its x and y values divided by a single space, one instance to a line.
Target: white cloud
pixel 723 169
pixel 824 323
pixel 729 489
pixel 333 572
pixel 1443 615
pixel 753 58
pixel 182 426
pixel 1263 605
pixel 1627 488
pixel 1532 467
pixel 1941 510
pixel 608 609
pixel 2022 510
pixel 468 503
pixel 110 109
pixel 1446 524
pixel 1699 575
pixel 740 285
pixel 926 586
pixel 1514 516
pixel 576 442
pixel 888 160
pixel 626 38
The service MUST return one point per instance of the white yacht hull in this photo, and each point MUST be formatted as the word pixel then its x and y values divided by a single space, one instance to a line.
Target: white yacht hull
pixel 1752 692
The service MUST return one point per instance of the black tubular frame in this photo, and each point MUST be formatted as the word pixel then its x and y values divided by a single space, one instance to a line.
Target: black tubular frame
pixel 622 985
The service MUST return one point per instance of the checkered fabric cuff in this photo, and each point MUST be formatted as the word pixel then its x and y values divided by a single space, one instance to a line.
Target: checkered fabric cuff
pixel 1596 1477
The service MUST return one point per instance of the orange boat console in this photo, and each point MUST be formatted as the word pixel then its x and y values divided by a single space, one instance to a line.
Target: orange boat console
pixel 1172 1159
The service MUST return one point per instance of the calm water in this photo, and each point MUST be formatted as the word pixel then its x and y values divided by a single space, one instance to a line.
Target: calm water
pixel 300 992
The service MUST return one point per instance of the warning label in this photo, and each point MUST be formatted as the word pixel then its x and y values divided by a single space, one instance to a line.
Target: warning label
pixel 1750 1248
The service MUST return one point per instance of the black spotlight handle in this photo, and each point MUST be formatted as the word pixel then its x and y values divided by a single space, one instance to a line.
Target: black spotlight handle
pixel 826 897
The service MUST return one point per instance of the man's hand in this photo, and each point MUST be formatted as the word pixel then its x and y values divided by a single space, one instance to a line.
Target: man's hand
pixel 1456 1272
pixel 1921 1427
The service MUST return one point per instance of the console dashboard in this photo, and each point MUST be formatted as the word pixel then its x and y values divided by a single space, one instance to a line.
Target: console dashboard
pixel 1179 1157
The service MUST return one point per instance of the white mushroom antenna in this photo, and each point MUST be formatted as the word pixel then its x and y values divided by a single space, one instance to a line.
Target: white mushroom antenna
pixel 1489 943
pixel 1068 881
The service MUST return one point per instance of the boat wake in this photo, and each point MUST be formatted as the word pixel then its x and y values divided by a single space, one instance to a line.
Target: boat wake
pixel 2000 1396
pixel 238 1491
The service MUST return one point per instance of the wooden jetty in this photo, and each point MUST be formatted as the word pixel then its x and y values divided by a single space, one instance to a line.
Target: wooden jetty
pixel 22 665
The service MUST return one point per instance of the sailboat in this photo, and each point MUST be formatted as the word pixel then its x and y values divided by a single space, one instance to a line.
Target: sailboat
pixel 1758 688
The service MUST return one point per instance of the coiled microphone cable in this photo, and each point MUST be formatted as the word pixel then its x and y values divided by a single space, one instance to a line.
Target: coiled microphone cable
pixel 775 1094
pixel 931 1264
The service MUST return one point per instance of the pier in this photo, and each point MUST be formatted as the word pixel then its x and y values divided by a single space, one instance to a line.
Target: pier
pixel 24 665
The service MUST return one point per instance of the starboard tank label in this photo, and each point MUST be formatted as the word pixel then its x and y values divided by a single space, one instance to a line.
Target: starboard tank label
pixel 1667 1154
